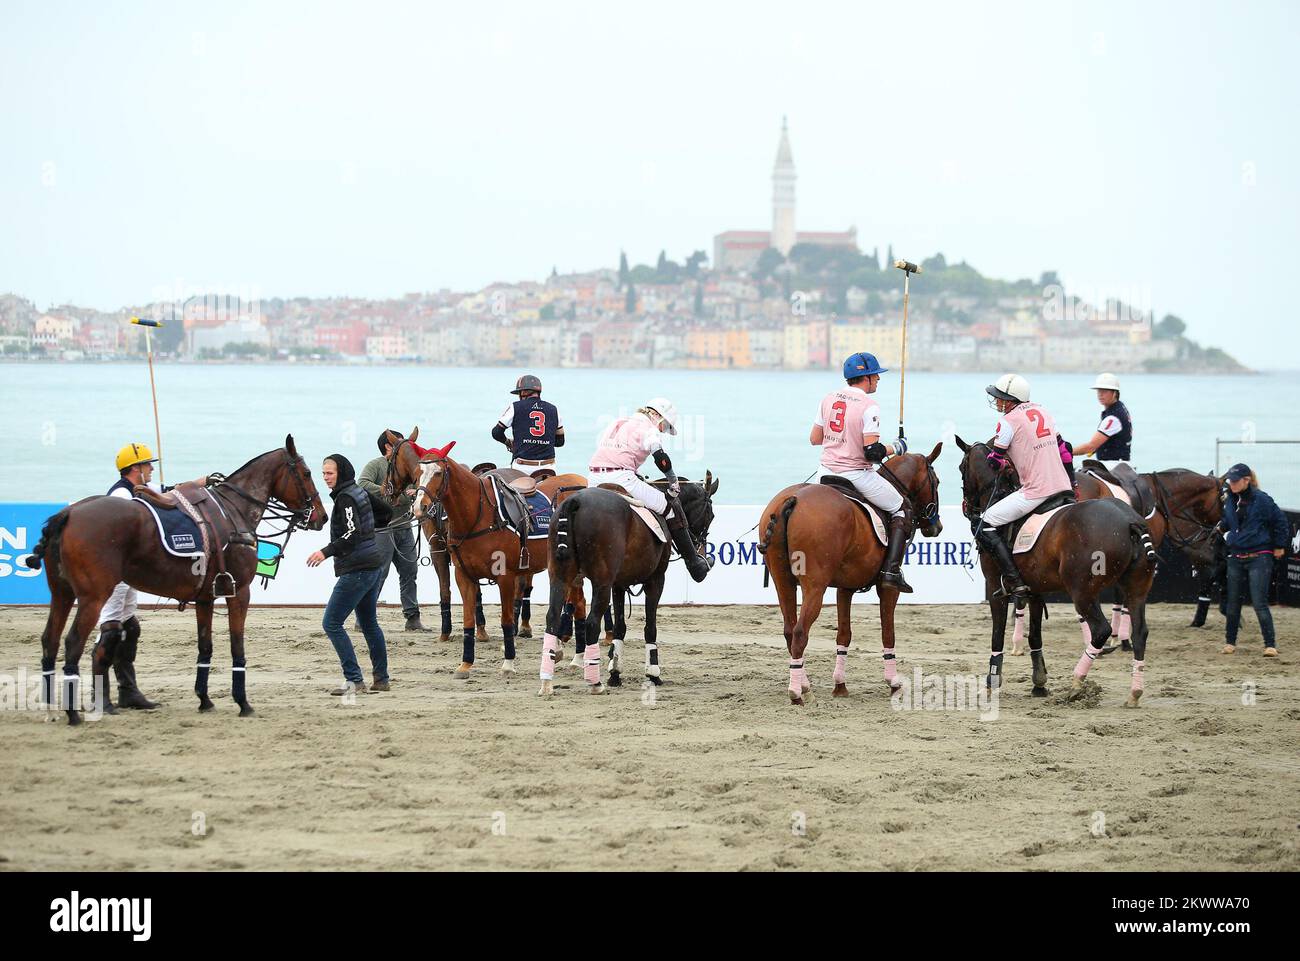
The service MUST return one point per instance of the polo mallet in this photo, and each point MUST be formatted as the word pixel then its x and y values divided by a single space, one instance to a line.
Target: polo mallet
pixel 908 268
pixel 148 347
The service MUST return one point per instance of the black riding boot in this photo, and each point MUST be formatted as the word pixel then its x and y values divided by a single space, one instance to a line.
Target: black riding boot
pixel 696 565
pixel 1012 584
pixel 128 694
pixel 1202 609
pixel 900 528
pixel 110 639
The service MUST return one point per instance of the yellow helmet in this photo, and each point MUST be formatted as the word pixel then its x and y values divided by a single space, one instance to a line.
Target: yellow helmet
pixel 133 454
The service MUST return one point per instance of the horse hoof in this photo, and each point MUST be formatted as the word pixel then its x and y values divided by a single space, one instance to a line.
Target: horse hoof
pixel 1039 691
pixel 74 718
pixel 444 639
pixel 547 689
pixel 615 679
pixel 1077 684
pixel 463 672
pixel 507 667
pixel 1016 652
pixel 609 638
pixel 480 635
pixel 1133 698
pixel 1108 649
pixel 1125 645
pixel 795 699
pixel 597 689
pixel 895 685
pixel 110 708
pixel 205 705
pixel 841 690
pixel 577 661
pixel 245 710
pixel 525 630
pixel 654 679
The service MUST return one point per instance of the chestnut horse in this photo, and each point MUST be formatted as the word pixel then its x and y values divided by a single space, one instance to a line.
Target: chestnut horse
pixel 479 546
pixel 597 536
pixel 99 542
pixel 817 538
pixel 1083 549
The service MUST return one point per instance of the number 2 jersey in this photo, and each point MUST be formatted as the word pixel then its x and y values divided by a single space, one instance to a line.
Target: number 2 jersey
pixel 533 423
pixel 1028 435
pixel 847 415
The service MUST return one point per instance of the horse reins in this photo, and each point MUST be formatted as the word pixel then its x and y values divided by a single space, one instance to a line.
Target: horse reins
pixel 1163 499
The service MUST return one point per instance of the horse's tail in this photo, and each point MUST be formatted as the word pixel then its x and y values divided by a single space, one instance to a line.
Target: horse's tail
pixel 48 545
pixel 564 529
pixel 778 522
pixel 1144 552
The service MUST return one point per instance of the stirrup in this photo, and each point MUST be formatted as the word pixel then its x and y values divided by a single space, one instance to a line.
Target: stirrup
pixel 223 585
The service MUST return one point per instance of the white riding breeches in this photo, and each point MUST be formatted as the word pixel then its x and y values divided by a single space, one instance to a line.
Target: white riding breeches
pixel 635 486
pixel 120 605
pixel 871 486
pixel 1011 508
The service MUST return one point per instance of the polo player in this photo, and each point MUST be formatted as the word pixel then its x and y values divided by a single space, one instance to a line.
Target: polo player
pixel 1112 442
pixel 535 427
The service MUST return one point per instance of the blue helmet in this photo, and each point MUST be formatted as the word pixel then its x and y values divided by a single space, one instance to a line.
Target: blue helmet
pixel 861 364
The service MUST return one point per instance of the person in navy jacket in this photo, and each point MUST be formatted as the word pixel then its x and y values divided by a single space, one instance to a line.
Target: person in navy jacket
pixel 1256 534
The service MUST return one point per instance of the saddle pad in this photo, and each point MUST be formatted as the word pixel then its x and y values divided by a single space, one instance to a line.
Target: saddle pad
pixel 179 534
pixel 539 510
pixel 877 519
pixel 1033 526
pixel 650 518
pixel 1120 493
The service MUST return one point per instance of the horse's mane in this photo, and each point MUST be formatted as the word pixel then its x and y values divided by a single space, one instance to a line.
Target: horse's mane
pixel 252 460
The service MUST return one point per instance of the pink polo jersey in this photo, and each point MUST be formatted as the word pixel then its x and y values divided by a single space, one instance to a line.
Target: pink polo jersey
pixel 626 443
pixel 1028 434
pixel 847 415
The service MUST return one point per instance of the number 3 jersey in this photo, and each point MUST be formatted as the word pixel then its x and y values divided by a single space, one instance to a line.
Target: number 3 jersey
pixel 1028 434
pixel 533 423
pixel 847 415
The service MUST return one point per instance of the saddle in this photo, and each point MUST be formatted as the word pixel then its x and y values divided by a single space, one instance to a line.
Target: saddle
pixel 845 487
pixel 657 523
pixel 216 529
pixel 515 478
pixel 1140 496
pixel 1011 532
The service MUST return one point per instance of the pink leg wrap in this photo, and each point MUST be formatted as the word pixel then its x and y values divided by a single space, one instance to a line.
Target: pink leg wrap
pixel 1089 653
pixel 1125 626
pixel 591 663
pixel 1116 613
pixel 550 645
pixel 797 678
pixel 841 664
pixel 1019 634
pixel 891 667
pixel 1086 631
pixel 1139 669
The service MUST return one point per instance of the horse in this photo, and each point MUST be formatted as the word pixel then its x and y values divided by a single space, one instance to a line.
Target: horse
pixel 479 544
pixel 1083 549
pixel 597 535
pixel 93 545
pixel 816 537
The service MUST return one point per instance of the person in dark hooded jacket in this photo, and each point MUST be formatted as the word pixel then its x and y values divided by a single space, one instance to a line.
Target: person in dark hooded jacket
pixel 1256 537
pixel 358 565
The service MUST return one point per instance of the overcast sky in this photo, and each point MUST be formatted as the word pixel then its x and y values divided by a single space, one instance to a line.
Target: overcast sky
pixel 372 149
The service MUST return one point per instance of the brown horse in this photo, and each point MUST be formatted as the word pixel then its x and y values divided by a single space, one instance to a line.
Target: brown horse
pixel 817 538
pixel 480 547
pixel 1082 550
pixel 99 542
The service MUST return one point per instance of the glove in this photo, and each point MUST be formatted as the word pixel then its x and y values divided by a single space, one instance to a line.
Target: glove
pixel 997 459
pixel 900 445
pixel 674 489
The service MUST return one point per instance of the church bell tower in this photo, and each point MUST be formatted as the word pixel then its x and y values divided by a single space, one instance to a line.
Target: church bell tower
pixel 783 178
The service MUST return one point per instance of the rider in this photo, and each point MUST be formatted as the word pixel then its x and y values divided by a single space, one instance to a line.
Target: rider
pixel 534 424
pixel 1026 438
pixel 119 628
pixel 1112 442
pixel 848 431
pixel 623 447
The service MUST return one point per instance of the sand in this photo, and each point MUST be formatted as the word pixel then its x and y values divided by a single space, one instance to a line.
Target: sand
pixel 713 770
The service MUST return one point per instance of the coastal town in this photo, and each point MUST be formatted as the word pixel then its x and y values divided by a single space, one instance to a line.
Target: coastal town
pixel 773 299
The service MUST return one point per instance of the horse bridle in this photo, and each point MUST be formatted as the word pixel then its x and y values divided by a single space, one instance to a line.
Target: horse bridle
pixel 1204 531
pixel 976 512
pixel 930 512
pixel 296 519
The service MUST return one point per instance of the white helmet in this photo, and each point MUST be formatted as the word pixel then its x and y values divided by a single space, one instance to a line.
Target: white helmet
pixel 1010 387
pixel 666 409
pixel 1106 382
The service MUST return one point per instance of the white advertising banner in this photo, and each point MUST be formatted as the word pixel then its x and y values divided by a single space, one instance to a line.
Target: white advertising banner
pixel 941 570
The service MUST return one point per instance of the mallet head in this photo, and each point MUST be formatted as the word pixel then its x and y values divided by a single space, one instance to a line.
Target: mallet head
pixel 907 266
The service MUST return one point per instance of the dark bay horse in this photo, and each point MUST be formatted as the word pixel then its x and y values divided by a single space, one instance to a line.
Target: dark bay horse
pixel 1082 550
pixel 99 542
pixel 598 537
pixel 817 538
pixel 479 546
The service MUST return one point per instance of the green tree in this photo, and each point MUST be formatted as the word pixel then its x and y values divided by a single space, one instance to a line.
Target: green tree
pixel 694 262
pixel 629 302
pixel 934 264
pixel 622 268
pixel 699 300
pixel 768 261
pixel 1170 327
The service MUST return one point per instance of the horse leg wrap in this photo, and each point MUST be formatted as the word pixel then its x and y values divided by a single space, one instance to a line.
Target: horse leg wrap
pixel 580 636
pixel 1089 652
pixel 891 666
pixel 1125 625
pixel 591 665
pixel 201 678
pixel 550 651
pixel 566 621
pixel 1116 618
pixel 652 660
pixel 71 689
pixel 616 655
pixel 1019 634
pixel 237 689
pixel 796 677
pixel 467 646
pixel 841 664
pixel 995 670
pixel 444 608
pixel 47 682
pixel 508 632
pixel 1139 670
pixel 479 619
pixel 526 606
